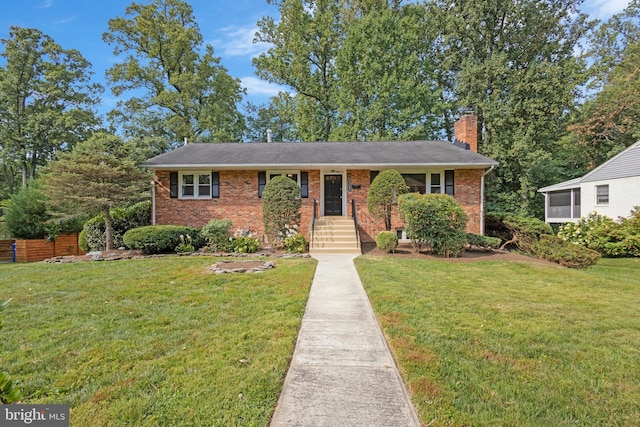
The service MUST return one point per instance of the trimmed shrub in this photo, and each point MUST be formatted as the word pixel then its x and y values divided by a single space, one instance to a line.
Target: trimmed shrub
pixel 155 239
pixel 567 254
pixel 483 241
pixel 216 234
pixel 610 238
pixel 435 222
pixel 295 243
pixel 122 219
pixel 245 244
pixel 280 208
pixel 387 241
pixel 380 200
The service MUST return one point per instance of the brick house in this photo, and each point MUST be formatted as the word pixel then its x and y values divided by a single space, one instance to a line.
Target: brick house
pixel 198 182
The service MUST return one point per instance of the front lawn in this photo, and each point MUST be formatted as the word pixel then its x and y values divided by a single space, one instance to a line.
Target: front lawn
pixel 511 343
pixel 153 341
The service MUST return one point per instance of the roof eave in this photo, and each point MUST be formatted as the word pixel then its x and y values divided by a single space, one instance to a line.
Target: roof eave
pixel 318 166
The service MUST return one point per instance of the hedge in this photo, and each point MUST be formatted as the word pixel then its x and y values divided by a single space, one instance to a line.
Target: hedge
pixel 155 239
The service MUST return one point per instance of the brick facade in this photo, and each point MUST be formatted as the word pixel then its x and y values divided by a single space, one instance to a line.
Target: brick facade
pixel 240 203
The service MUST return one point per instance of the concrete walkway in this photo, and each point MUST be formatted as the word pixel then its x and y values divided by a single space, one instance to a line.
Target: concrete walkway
pixel 342 372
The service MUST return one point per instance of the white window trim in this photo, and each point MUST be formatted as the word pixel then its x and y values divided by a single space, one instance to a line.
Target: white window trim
pixel 597 203
pixel 283 173
pixel 196 194
pixel 427 173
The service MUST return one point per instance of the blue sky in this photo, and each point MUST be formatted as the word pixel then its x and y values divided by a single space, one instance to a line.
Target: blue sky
pixel 228 25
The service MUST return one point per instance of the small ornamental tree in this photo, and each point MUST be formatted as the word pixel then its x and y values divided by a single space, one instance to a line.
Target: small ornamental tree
pixel 25 213
pixel 97 175
pixel 280 208
pixel 383 193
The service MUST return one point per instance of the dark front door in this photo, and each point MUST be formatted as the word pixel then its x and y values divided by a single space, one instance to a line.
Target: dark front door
pixel 333 195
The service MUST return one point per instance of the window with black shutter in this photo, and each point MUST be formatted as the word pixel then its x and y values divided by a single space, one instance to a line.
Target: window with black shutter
pixel 262 181
pixel 449 187
pixel 173 185
pixel 304 185
pixel 215 185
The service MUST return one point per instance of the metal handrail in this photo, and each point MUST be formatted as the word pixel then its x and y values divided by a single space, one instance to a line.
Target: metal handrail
pixel 314 215
pixel 354 214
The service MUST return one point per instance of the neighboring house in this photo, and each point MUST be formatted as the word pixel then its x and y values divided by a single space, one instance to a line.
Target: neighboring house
pixel 198 182
pixel 611 189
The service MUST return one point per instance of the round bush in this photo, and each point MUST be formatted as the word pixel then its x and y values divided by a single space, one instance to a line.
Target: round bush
pixel 155 239
pixel 295 243
pixel 434 221
pixel 387 241
pixel 245 244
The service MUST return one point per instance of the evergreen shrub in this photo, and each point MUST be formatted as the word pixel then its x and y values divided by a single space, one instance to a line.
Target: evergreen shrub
pixel 155 239
pixel 387 241
pixel 435 222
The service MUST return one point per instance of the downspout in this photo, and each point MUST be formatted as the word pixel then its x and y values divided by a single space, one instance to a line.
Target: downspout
pixel 153 202
pixel 482 199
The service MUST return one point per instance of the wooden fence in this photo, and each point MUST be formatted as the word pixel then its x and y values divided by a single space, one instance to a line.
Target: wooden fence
pixel 6 252
pixel 38 250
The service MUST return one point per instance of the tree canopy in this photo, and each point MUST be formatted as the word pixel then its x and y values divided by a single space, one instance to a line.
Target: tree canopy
pixel 174 78
pixel 46 103
pixel 97 175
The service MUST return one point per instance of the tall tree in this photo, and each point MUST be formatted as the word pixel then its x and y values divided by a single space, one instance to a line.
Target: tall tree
pixel 46 101
pixel 172 77
pixel 609 122
pixel 304 43
pixel 278 115
pixel 385 79
pixel 97 175
pixel 513 63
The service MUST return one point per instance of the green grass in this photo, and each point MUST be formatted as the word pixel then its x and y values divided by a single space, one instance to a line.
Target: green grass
pixel 497 343
pixel 153 341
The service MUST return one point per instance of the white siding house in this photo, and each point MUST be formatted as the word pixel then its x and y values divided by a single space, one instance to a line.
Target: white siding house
pixel 611 189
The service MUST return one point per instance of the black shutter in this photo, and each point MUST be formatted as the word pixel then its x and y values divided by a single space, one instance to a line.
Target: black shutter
pixel 173 185
pixel 262 181
pixel 215 185
pixel 304 185
pixel 449 187
pixel 373 175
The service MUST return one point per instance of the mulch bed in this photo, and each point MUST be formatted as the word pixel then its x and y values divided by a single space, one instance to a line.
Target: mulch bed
pixel 405 250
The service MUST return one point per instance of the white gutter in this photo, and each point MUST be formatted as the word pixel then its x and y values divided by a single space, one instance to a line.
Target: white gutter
pixel 482 199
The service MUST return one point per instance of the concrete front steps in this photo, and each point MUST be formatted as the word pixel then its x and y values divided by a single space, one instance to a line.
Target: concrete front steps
pixel 335 235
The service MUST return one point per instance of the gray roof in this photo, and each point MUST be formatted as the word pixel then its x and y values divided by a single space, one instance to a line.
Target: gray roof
pixel 622 165
pixel 395 154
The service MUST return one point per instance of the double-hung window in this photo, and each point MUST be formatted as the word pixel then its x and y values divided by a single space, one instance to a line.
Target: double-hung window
pixel 602 194
pixel 195 185
pixel 300 178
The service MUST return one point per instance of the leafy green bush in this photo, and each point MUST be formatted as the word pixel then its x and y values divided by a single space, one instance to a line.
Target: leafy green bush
pixel 295 243
pixel 122 219
pixel 280 208
pixel 387 241
pixel 25 213
pixel 185 245
pixel 434 221
pixel 564 253
pixel 383 193
pixel 515 230
pixel 483 241
pixel 154 239
pixel 245 244
pixel 216 234
pixel 610 238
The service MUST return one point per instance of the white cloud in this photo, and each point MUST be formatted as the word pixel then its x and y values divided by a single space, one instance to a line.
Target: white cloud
pixel 65 20
pixel 603 9
pixel 238 41
pixel 255 86
pixel 45 4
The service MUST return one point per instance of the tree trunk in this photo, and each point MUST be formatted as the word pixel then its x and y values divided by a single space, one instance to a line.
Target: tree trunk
pixel 108 229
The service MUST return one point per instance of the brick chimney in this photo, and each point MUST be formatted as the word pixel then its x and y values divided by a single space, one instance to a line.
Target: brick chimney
pixel 465 129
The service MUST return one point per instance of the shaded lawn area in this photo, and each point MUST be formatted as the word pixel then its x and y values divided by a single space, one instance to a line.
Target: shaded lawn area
pixel 512 343
pixel 153 341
